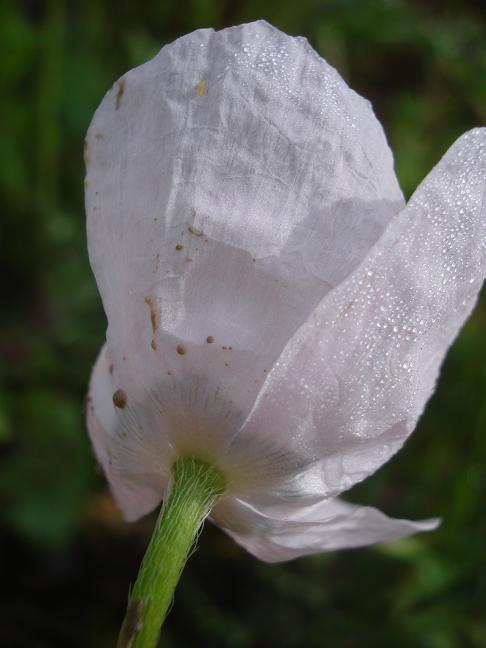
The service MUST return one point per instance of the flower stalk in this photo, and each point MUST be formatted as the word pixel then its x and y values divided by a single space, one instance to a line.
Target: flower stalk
pixel 193 491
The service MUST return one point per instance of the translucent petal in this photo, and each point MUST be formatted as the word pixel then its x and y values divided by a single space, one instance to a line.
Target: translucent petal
pixel 135 463
pixel 284 533
pixel 351 384
pixel 232 181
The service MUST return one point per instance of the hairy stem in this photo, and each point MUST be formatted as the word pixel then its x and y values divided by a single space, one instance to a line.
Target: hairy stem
pixel 194 488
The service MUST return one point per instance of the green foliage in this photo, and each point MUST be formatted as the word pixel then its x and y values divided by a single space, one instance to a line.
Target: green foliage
pixel 63 547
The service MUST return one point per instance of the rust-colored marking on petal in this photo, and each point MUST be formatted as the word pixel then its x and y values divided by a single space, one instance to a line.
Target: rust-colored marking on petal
pixel 179 247
pixel 120 398
pixel 98 136
pixel 200 88
pixel 181 349
pixel 154 315
pixel 210 339
pixel 153 344
pixel 348 308
pixel 194 230
pixel 119 94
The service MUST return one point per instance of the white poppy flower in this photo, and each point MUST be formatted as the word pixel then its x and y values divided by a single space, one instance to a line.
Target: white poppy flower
pixel 274 308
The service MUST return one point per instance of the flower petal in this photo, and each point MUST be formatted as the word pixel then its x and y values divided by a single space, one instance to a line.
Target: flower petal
pixel 232 182
pixel 351 384
pixel 136 465
pixel 289 532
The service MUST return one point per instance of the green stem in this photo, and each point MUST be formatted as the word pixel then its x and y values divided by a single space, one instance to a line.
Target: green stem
pixel 194 488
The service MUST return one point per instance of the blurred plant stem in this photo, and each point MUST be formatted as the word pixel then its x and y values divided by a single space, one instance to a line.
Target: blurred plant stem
pixel 47 150
pixel 194 488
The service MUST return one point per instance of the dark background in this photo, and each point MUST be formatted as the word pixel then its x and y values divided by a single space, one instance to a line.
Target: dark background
pixel 66 556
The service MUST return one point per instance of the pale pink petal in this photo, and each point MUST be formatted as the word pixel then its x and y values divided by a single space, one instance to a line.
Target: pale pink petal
pixel 135 461
pixel 287 532
pixel 351 384
pixel 232 181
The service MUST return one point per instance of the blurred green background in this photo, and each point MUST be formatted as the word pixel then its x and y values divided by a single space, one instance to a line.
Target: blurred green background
pixel 66 557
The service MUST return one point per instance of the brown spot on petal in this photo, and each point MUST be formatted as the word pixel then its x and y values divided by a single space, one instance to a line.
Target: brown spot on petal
pixel 111 369
pixel 193 230
pixel 181 349
pixel 120 398
pixel 210 339
pixel 153 344
pixel 120 93
pixel 348 308
pixel 179 247
pixel 226 364
pixel 200 88
pixel 188 259
pixel 99 136
pixel 154 315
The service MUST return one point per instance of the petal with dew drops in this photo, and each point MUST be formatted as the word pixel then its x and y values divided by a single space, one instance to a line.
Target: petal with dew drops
pixel 232 181
pixel 285 533
pixel 351 384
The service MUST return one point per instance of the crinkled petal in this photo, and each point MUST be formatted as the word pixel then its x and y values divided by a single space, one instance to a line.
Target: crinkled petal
pixel 287 532
pixel 232 181
pixel 351 384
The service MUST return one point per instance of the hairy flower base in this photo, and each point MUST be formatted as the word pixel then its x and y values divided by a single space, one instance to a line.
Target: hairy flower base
pixel 194 488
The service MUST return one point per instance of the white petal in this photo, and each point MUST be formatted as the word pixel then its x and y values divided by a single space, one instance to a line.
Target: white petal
pixel 351 385
pixel 136 465
pixel 250 152
pixel 289 532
